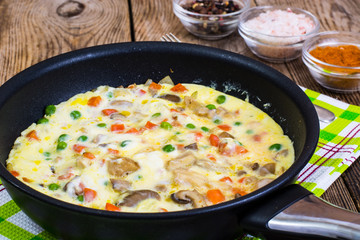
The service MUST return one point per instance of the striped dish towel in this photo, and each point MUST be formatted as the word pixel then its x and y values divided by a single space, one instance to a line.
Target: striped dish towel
pixel 338 146
pixel 337 149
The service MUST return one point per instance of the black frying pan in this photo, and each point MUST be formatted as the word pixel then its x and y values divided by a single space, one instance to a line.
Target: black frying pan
pixel 24 97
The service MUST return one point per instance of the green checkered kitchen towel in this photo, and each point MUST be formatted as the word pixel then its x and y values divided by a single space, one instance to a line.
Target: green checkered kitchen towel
pixel 337 149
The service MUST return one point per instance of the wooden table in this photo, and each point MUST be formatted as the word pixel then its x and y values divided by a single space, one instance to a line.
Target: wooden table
pixel 32 31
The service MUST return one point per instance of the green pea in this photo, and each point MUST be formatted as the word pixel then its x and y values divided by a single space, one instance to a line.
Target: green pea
pixel 54 186
pixel 75 115
pixel 42 121
pixel 165 125
pixel 250 131
pixel 211 106
pixel 50 110
pixel 275 147
pixel 125 143
pixel 190 126
pixel 63 137
pixel 82 138
pixel 46 154
pixel 221 99
pixel 110 95
pixel 102 125
pixel 217 121
pixel 168 148
pixel 155 115
pixel 80 198
pixel 177 133
pixel 205 129
pixel 237 124
pixel 61 146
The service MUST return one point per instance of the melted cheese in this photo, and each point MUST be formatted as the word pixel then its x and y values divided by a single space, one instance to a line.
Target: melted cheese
pixel 133 139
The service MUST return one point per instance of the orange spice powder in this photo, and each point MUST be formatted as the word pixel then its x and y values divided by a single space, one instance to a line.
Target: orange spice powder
pixel 343 55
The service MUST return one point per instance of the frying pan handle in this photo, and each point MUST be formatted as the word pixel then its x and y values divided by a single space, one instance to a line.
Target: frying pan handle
pixel 297 212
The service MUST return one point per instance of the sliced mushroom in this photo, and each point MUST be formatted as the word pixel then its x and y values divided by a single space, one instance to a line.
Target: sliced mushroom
pixel 119 184
pixel 183 161
pixel 186 196
pixel 117 115
pixel 161 188
pixel 171 98
pixel 148 82
pixel 73 187
pixel 255 166
pixel 240 173
pixel 136 197
pixel 119 167
pixel 190 178
pixel 192 146
pixel 264 182
pixel 209 165
pixel 166 80
pixel 198 108
pixel 226 135
pixel 250 180
pixel 282 153
pixel 99 138
pixel 268 168
pixel 121 103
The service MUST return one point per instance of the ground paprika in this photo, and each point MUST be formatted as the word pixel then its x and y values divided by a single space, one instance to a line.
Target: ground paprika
pixel 342 55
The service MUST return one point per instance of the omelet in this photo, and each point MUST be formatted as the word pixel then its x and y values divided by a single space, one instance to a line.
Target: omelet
pixel 155 147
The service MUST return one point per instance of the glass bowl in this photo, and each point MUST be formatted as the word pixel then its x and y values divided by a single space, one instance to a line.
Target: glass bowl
pixel 333 77
pixel 272 41
pixel 209 26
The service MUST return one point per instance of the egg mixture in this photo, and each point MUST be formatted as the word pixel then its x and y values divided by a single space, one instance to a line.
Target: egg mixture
pixel 155 147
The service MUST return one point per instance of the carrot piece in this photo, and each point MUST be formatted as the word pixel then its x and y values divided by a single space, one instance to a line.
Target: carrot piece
pixel 155 86
pixel 132 86
pixel 89 194
pixel 238 191
pixel 198 136
pixel 163 210
pixel 108 112
pixel 28 180
pixel 179 88
pixel 117 127
pixel 224 127
pixel 214 140
pixel 132 130
pixel 215 196
pixel 240 149
pixel 89 155
pixel 226 179
pixel 113 151
pixel 78 148
pixel 94 101
pixel 150 125
pixel 211 157
pixel 65 176
pixel 257 138
pixel 142 92
pixel 15 173
pixel 241 180
pixel 112 207
pixel 33 135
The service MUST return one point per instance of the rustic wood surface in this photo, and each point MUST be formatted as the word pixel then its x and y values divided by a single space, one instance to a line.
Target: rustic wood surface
pixel 32 31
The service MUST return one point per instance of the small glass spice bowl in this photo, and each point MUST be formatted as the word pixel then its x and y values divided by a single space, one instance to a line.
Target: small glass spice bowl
pixel 209 26
pixel 280 46
pixel 333 77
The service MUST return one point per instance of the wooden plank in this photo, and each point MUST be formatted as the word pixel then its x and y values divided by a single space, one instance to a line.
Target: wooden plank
pixel 32 31
pixel 337 189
